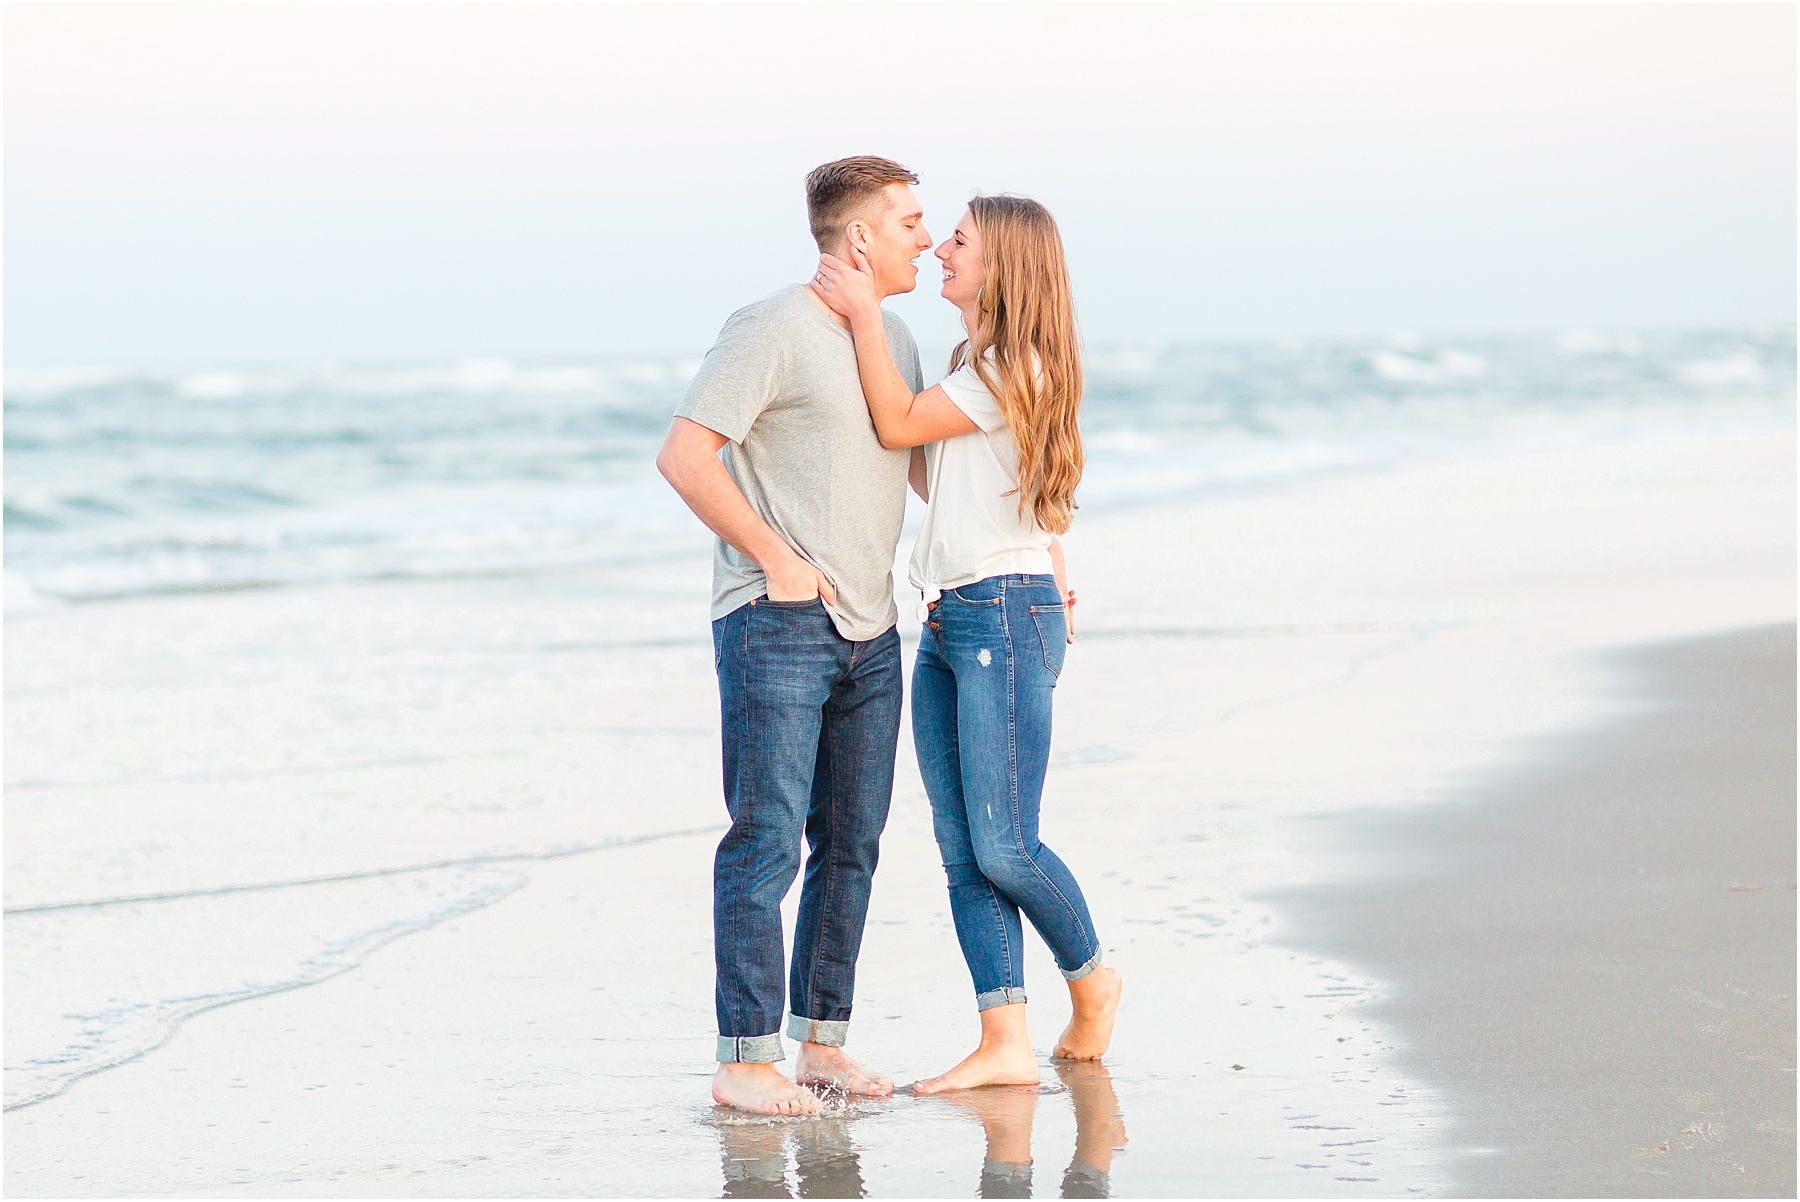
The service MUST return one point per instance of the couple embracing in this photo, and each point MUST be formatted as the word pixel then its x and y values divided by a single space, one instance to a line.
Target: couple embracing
pixel 816 399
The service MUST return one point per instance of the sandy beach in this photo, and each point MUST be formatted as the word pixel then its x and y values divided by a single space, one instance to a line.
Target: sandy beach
pixel 1596 950
pixel 432 864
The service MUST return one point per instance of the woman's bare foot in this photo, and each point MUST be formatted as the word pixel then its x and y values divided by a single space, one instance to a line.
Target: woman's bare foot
pixel 1089 1033
pixel 1004 1057
pixel 761 1089
pixel 986 1066
pixel 829 1067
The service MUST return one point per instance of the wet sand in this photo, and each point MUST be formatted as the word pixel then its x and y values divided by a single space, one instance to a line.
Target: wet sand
pixel 1593 954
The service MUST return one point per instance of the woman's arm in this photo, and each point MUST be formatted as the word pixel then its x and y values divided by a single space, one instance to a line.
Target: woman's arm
pixel 1062 584
pixel 901 418
pixel 915 473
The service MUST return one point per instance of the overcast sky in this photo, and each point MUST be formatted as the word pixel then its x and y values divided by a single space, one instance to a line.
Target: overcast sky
pixel 273 183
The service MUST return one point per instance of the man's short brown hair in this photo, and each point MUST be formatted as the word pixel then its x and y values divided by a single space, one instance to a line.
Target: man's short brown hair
pixel 839 191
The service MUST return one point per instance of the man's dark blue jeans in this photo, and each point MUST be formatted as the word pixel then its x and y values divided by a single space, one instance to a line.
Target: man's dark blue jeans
pixel 809 721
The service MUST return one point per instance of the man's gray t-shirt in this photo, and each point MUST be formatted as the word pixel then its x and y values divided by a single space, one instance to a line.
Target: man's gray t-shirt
pixel 781 384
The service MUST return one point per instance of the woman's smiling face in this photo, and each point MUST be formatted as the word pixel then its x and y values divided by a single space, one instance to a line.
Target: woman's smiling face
pixel 964 272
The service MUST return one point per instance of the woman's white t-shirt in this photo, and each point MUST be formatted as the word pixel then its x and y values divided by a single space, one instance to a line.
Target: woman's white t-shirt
pixel 973 528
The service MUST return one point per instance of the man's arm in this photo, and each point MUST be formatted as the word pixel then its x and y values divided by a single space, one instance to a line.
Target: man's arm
pixel 689 461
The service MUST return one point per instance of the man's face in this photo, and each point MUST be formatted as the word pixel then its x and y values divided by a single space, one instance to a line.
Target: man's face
pixel 892 239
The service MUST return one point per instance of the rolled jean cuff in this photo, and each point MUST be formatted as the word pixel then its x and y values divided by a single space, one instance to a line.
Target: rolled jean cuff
pixel 830 1032
pixel 1075 974
pixel 1006 995
pixel 751 1049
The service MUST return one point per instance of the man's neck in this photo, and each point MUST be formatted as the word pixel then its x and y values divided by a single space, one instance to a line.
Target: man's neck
pixel 829 311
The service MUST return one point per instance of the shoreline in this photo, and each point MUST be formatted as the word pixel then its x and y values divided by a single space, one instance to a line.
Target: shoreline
pixel 1591 954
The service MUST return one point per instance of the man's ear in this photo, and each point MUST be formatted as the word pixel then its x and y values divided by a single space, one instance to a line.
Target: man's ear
pixel 857 234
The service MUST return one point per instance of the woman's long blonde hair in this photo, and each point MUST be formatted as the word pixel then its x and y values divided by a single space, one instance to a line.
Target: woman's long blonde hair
pixel 1028 323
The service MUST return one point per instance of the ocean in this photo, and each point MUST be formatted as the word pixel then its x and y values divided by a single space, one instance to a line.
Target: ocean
pixel 124 483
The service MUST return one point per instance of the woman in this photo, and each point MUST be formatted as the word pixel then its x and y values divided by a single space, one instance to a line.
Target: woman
pixel 1001 461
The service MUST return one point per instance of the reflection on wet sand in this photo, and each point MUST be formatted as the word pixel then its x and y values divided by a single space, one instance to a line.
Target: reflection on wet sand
pixel 755 1154
pixel 1005 1114
pixel 755 1159
pixel 1099 1128
pixel 826 1160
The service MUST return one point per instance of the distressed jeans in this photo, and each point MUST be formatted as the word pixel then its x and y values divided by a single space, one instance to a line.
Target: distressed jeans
pixel 809 721
pixel 982 686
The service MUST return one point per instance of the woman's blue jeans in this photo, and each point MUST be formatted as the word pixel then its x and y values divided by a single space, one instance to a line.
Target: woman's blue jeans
pixel 982 687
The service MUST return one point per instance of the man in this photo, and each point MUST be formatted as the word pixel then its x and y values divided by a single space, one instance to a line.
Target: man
pixel 807 505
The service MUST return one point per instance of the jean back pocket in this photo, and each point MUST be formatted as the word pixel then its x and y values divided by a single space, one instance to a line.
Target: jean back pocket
pixel 1053 635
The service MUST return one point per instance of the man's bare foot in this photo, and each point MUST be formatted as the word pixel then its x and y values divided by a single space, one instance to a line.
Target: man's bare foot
pixel 761 1089
pixel 990 1064
pixel 1089 1033
pixel 828 1067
